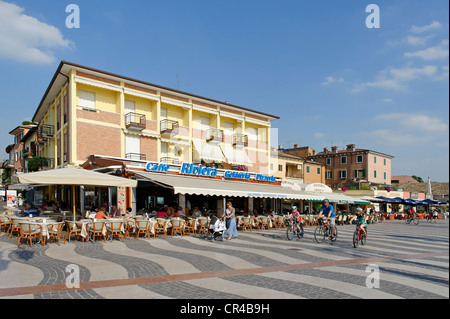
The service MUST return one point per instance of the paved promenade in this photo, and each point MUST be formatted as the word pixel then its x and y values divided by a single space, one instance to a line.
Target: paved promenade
pixel 412 263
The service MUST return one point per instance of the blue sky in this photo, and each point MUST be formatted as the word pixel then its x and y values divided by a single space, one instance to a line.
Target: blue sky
pixel 315 64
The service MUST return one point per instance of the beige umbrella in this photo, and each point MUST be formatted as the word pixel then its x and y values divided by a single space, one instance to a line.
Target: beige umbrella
pixel 72 176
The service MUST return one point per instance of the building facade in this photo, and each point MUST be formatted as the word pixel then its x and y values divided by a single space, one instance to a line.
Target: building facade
pixel 87 111
pixel 18 150
pixel 350 165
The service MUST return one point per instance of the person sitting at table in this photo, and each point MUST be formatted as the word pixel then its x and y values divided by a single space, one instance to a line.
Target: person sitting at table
pixel 196 213
pixel 162 213
pixel 101 214
pixel 170 212
pixel 28 210
pixel 129 213
pixel 115 212
pixel 180 212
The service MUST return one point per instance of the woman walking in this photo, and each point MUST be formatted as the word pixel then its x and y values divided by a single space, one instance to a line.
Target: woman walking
pixel 231 222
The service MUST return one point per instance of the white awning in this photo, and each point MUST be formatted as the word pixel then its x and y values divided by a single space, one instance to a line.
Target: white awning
pixel 209 151
pixel 217 187
pixel 236 155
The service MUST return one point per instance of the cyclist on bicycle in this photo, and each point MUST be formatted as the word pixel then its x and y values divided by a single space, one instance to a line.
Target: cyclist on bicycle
pixel 327 211
pixel 295 215
pixel 360 220
pixel 410 213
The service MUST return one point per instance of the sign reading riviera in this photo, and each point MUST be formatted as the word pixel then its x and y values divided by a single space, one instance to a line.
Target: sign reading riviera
pixel 200 170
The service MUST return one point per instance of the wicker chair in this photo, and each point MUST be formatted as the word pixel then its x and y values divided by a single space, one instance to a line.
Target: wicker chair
pixel 265 223
pixel 5 223
pixel 14 227
pixel 115 228
pixel 96 229
pixel 160 227
pixel 189 226
pixel 246 223
pixel 29 232
pixel 73 228
pixel 177 226
pixel 56 231
pixel 142 227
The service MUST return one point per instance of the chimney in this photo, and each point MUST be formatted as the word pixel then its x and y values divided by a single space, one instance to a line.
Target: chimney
pixel 295 145
pixel 334 149
pixel 351 147
pixel 325 150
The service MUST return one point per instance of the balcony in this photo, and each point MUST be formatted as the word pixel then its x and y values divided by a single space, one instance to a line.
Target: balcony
pixel 169 127
pixel 136 156
pixel 44 133
pixel 240 140
pixel 214 135
pixel 135 121
pixel 47 162
pixel 170 160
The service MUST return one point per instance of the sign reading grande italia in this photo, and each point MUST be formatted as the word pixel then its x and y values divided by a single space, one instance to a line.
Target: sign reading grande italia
pixel 200 170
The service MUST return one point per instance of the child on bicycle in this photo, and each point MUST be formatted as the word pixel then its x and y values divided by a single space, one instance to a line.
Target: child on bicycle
pixel 360 220
pixel 296 217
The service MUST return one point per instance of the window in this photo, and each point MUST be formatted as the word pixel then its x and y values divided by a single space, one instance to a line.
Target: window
pixel 329 174
pixel 252 133
pixel 280 167
pixel 343 173
pixel 344 160
pixel 307 169
pixel 318 170
pixel 375 159
pixel 132 144
pixel 228 128
pixel 384 162
pixel 86 100
pixel 375 173
pixel 385 175
pixel 360 173
pixel 328 161
pixel 359 159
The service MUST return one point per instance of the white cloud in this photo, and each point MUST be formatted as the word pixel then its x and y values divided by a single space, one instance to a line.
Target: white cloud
pixel 415 122
pixel 319 134
pixel 414 40
pixel 440 51
pixel 387 100
pixel 25 38
pixel 396 78
pixel 435 25
pixel 330 79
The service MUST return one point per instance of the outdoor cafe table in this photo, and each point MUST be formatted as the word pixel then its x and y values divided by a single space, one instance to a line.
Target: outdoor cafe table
pixel 43 223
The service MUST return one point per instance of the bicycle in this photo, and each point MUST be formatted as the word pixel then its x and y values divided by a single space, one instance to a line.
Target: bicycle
pixel 292 229
pixel 412 218
pixel 359 236
pixel 324 230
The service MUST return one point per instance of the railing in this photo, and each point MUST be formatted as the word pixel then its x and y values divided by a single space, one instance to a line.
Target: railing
pixel 46 131
pixel 240 140
pixel 135 121
pixel 47 162
pixel 170 160
pixel 214 135
pixel 136 156
pixel 169 127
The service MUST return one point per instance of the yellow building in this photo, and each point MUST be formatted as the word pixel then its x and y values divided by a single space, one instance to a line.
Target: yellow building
pixel 87 111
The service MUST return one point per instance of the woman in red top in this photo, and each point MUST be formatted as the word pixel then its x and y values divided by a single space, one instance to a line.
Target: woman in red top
pixel 101 214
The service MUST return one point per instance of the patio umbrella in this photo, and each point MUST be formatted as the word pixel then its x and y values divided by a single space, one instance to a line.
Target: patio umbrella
pixel 72 176
pixel 410 201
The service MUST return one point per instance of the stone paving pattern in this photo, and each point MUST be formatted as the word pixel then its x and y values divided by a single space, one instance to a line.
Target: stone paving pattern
pixel 413 262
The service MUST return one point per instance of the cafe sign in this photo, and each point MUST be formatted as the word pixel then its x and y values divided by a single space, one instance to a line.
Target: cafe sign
pixel 201 170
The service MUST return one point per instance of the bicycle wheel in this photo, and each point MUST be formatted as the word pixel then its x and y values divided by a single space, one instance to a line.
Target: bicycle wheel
pixel 416 221
pixel 319 234
pixel 355 239
pixel 363 239
pixel 407 220
pixel 300 232
pixel 290 232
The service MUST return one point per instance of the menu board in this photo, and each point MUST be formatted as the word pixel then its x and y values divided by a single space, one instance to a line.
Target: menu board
pixel 121 200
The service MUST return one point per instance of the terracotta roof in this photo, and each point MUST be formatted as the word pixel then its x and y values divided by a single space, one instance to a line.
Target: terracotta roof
pixel 437 188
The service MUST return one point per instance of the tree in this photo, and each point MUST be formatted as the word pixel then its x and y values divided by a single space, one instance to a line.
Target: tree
pixel 417 178
pixel 35 163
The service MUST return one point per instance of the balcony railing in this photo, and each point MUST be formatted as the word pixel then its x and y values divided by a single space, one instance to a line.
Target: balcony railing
pixel 169 127
pixel 135 121
pixel 240 140
pixel 136 156
pixel 170 160
pixel 47 162
pixel 214 135
pixel 46 131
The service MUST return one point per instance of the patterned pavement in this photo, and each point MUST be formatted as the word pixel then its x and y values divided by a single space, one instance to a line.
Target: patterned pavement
pixel 413 263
